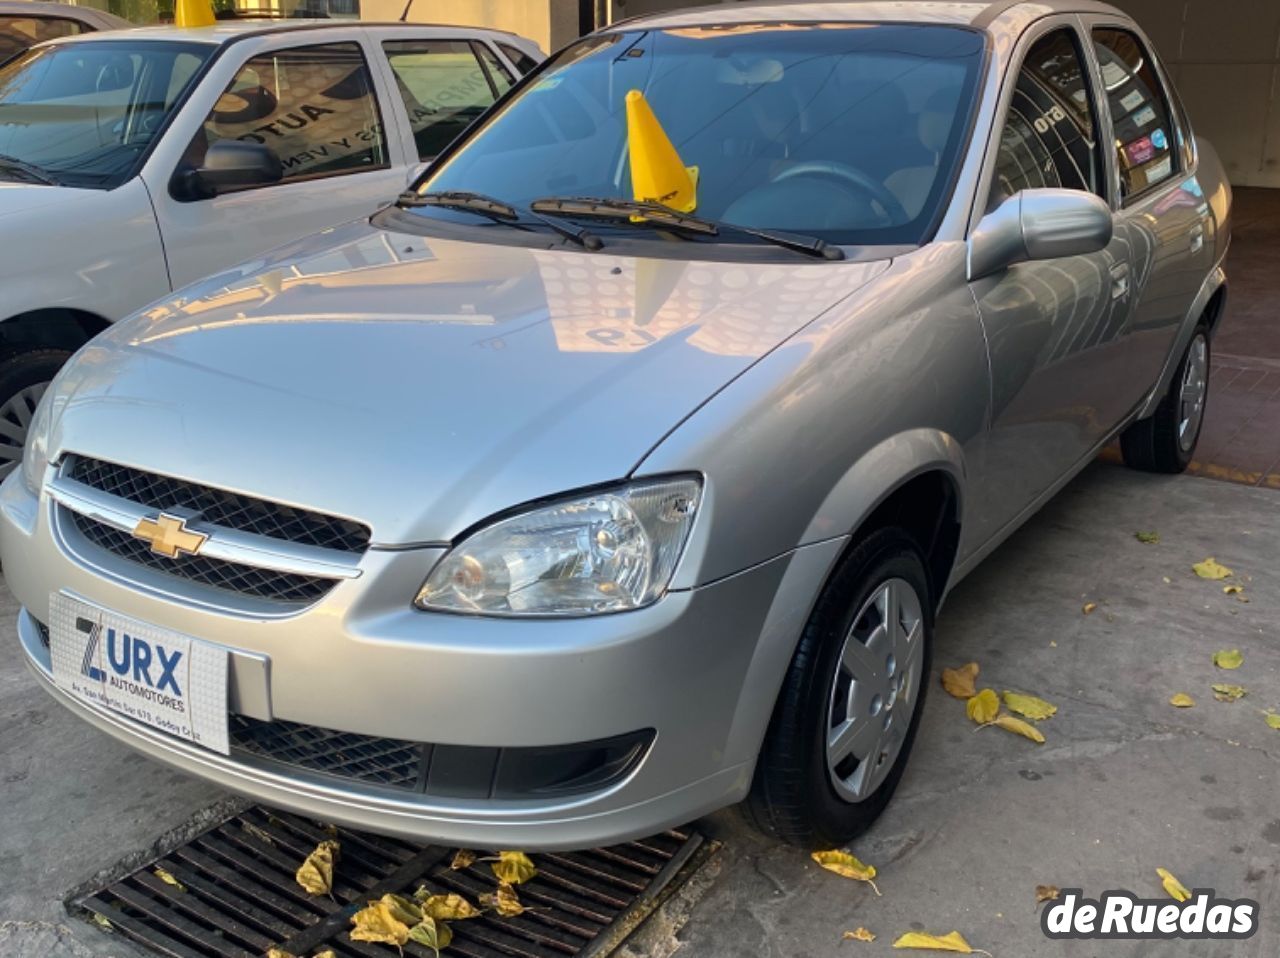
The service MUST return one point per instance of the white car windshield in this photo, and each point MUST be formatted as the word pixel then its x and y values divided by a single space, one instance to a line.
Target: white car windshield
pixel 848 132
pixel 83 114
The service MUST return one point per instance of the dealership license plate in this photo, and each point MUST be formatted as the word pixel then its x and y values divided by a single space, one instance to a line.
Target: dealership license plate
pixel 164 679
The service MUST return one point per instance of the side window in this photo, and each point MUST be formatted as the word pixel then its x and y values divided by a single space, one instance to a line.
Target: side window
pixel 523 62
pixel 444 88
pixel 1050 137
pixel 314 106
pixel 1140 114
pixel 499 75
pixel 18 33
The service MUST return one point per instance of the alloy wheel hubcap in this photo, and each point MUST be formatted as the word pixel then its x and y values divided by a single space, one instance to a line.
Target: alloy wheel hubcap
pixel 873 697
pixel 1195 382
pixel 15 419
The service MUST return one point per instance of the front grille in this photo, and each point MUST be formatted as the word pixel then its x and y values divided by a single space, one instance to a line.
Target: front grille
pixel 243 580
pixel 220 508
pixel 380 761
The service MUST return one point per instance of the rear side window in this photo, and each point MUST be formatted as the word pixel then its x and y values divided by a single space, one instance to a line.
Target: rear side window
pixel 1145 135
pixel 499 75
pixel 444 88
pixel 314 106
pixel 1050 136
pixel 18 33
pixel 523 62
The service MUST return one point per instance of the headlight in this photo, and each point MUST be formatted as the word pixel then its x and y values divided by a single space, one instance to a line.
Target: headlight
pixel 606 551
pixel 35 455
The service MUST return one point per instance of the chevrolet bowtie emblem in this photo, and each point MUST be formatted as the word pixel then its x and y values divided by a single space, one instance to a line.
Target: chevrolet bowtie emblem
pixel 169 536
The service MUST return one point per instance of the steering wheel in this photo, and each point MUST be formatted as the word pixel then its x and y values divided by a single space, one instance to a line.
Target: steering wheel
pixel 863 182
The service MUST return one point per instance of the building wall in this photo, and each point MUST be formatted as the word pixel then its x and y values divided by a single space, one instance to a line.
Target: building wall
pixel 1225 59
pixel 551 23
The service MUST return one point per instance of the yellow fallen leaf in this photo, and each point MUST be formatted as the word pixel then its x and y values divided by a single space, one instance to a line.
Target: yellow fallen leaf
pixel 983 707
pixel 1228 659
pixel 514 868
pixel 377 924
pixel 1232 589
pixel 1088 607
pixel 1047 893
pixel 1019 727
pixel 1175 888
pixel 315 874
pixel 504 901
pixel 959 682
pixel 1028 705
pixel 858 934
pixel 1228 693
pixel 845 865
pixel 1147 538
pixel 402 909
pixel 952 942
pixel 102 922
pixel 1167 580
pixel 449 907
pixel 261 834
pixel 462 858
pixel 280 953
pixel 327 953
pixel 435 935
pixel 1273 720
pixel 1182 700
pixel 1211 568
pixel 168 879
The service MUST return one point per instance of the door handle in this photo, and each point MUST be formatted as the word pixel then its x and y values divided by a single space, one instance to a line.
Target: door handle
pixel 1197 238
pixel 1120 281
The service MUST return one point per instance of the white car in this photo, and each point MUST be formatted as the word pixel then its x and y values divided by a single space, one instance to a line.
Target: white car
pixel 135 162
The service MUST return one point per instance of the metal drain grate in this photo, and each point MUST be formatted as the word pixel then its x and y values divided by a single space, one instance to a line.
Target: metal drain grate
pixel 239 897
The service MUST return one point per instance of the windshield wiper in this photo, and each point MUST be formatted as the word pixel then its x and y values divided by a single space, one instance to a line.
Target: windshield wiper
pixel 656 213
pixel 11 164
pixel 498 211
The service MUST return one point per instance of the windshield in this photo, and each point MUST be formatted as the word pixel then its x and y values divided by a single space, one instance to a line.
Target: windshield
pixel 846 132
pixel 83 113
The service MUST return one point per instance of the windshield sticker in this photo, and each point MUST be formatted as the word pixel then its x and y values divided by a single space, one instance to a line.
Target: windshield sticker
pixel 1140 151
pixel 1159 171
pixel 1144 116
pixel 1113 74
pixel 1159 140
pixel 1132 100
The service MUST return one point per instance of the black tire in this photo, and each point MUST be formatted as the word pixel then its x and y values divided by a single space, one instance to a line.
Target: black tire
pixel 1154 444
pixel 792 796
pixel 18 373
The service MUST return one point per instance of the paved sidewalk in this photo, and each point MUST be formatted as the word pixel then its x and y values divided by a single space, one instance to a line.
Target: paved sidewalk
pixel 1124 784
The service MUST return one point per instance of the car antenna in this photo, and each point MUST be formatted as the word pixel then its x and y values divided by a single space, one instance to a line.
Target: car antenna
pixel 404 14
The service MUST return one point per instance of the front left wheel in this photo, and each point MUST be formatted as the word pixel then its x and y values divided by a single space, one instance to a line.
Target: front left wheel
pixel 850 704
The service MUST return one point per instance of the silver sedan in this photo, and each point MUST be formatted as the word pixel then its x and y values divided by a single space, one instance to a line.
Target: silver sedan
pixel 618 471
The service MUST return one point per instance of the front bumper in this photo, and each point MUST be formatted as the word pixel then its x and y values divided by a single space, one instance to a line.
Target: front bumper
pixel 700 667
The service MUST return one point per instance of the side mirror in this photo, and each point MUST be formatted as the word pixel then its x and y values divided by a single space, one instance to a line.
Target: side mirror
pixel 1038 225
pixel 231 165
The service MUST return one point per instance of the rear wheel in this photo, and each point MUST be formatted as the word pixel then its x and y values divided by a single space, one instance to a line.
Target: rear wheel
pixel 850 705
pixel 24 378
pixel 1166 441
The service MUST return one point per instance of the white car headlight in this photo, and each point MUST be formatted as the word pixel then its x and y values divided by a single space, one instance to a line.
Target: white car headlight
pixel 606 551
pixel 35 454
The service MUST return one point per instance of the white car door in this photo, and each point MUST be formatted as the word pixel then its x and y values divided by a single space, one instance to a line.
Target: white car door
pixel 316 100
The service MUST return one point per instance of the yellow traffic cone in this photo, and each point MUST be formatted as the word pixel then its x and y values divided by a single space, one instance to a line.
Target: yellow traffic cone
pixel 193 13
pixel 658 175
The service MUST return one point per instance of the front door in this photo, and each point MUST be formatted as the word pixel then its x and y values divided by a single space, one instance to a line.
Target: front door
pixel 1055 328
pixel 316 106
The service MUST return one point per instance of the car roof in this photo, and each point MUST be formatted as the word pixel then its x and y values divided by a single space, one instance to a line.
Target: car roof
pixel 978 13
pixel 87 15
pixel 226 31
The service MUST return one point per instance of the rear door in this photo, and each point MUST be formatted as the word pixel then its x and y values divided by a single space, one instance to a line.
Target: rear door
pixel 1055 328
pixel 316 101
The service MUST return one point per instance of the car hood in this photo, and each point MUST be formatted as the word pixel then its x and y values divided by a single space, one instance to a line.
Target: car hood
pixel 420 385
pixel 26 197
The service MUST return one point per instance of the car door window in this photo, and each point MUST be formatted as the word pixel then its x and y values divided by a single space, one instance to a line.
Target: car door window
pixel 1140 116
pixel 444 88
pixel 18 33
pixel 314 106
pixel 523 62
pixel 499 76
pixel 1050 136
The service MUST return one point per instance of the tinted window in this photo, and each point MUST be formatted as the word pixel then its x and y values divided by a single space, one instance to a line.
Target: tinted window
pixel 443 86
pixel 845 131
pixel 18 33
pixel 523 62
pixel 1050 135
pixel 1144 133
pixel 499 75
pixel 86 112
pixel 314 106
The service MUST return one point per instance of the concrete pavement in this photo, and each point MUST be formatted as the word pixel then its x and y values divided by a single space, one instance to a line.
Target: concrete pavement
pixel 1124 784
